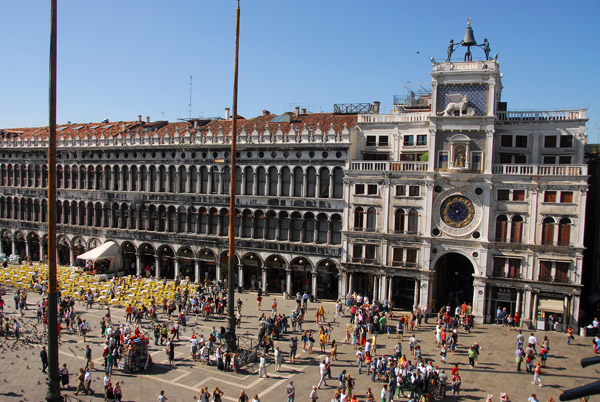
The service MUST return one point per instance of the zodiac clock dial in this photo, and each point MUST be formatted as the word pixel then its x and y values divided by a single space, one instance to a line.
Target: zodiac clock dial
pixel 457 211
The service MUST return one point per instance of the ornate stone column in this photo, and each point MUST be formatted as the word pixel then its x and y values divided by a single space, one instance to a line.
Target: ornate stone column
pixel 138 264
pixel 314 284
pixel 375 286
pixel 240 276
pixel 157 267
pixel 196 270
pixel 288 281
pixel 177 267
pixel 263 272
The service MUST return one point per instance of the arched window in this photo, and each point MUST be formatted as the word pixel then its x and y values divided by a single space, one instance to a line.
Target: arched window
pixel 322 228
pixel 296 227
pixel 271 226
pixel 192 220
pixel 311 182
pixel 284 226
pixel 359 218
pixel 183 179
pixel 116 180
pixel 172 180
pixel 214 221
pixel 203 218
pixel 125 175
pixel 59 176
pixel 214 180
pixel 261 180
pixel 285 182
pixel 247 223
pixel 82 210
pixel 134 179
pixel 238 180
pixel 309 228
pixel 248 181
pixel 399 220
pixel 548 231
pixel 371 219
pixel 324 183
pixel 298 182
pixel 203 180
pixel 273 179
pixel 501 228
pixel 193 180
pixel 338 183
pixel 171 219
pixel 564 232
pixel 336 229
pixel 226 180
pixel 224 216
pixel 153 179
pixel 259 230
pixel 516 229
pixel 98 215
pixel 413 221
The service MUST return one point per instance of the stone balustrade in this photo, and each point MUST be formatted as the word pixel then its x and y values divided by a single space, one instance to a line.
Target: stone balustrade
pixel 389 166
pixel 541 170
pixel 557 115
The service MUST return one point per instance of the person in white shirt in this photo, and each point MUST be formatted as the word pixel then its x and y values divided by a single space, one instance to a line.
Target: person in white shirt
pixel 384 393
pixel 532 341
pixel 262 366
pixel 322 373
pixel 360 356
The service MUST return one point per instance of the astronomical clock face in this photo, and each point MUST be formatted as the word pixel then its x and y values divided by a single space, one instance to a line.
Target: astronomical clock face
pixel 457 211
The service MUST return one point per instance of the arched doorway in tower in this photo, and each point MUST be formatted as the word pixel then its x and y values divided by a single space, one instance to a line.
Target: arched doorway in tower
pixel 208 268
pixel 187 264
pixel 166 257
pixel 453 281
pixel 147 255
pixel 276 275
pixel 252 264
pixel 327 280
pixel 129 257
pixel 34 246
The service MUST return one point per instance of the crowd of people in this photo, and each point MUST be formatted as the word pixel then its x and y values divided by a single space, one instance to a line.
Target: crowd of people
pixel 393 374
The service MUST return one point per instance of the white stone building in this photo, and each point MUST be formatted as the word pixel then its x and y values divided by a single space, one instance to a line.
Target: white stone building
pixel 468 202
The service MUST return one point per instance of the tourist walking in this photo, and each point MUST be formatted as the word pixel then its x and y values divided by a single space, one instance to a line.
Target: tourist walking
pixel 262 366
pixel 537 372
pixel 291 392
pixel 313 394
pixel 44 358
pixel 162 397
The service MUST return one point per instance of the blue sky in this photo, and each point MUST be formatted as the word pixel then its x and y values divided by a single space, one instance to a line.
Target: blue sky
pixel 121 58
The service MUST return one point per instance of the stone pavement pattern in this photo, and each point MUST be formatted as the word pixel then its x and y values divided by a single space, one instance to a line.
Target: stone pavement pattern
pixel 22 380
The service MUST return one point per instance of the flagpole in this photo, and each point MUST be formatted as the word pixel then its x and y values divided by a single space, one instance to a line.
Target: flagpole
pixel 53 392
pixel 231 338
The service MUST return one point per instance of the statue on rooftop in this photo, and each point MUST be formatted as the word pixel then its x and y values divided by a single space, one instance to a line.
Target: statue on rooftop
pixel 486 48
pixel 451 47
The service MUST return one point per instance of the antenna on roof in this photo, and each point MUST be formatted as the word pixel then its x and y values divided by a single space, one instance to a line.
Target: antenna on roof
pixel 190 104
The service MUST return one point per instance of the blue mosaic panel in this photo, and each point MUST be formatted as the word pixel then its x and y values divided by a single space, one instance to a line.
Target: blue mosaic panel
pixel 478 97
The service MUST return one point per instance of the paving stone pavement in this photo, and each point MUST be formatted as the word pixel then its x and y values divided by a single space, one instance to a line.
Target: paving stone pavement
pixel 22 380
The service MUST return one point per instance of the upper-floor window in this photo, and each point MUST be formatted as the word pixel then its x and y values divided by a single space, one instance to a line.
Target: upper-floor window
pixel 359 189
pixel 550 141
pixel 508 195
pixel 566 141
pixel 566 197
pixel 400 190
pixel 562 141
pixel 521 141
pixel 421 140
pixel 383 140
pixel 414 191
pixel 549 196
pixel 409 140
pixel 372 189
pixel 371 140
pixel 557 159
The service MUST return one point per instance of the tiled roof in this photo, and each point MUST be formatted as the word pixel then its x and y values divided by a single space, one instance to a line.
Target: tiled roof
pixel 323 121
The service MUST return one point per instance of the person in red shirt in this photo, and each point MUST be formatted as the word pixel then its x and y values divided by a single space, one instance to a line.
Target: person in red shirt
pixel 455 370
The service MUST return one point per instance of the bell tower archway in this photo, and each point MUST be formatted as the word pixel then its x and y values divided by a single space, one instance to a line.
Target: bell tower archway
pixel 453 283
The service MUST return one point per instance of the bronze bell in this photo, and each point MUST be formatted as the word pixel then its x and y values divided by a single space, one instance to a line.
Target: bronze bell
pixel 469 39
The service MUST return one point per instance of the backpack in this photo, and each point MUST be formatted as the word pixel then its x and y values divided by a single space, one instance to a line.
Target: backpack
pixel 352 382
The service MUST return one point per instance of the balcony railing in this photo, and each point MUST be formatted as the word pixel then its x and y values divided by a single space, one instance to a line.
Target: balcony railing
pixel 557 115
pixel 394 118
pixel 541 170
pixel 389 166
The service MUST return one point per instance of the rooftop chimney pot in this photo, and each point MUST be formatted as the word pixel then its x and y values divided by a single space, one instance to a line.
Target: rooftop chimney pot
pixel 227 113
pixel 303 110
pixel 376 105
pixel 147 119
pixel 297 111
